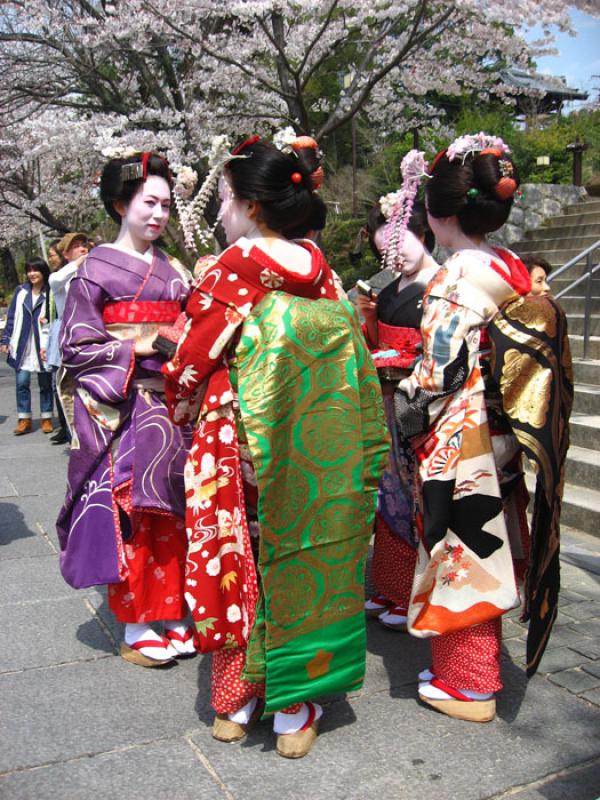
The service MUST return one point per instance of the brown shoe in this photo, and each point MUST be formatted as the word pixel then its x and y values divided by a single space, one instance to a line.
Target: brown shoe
pixel 23 426
pixel 227 731
pixel 46 426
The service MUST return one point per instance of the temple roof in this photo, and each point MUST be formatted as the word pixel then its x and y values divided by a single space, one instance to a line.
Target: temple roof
pixel 553 88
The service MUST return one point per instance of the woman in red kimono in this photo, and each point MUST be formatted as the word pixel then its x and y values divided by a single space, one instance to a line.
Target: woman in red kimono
pixel 273 367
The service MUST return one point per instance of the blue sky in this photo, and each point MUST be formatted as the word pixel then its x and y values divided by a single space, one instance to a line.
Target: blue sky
pixel 578 57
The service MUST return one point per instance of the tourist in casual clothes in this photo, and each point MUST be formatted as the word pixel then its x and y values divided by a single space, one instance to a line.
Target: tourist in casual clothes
pixel 470 412
pixel 55 260
pixel 122 522
pixel 73 249
pixel 24 339
pixel 279 506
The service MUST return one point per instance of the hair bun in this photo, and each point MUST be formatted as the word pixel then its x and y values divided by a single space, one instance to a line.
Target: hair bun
pixel 300 146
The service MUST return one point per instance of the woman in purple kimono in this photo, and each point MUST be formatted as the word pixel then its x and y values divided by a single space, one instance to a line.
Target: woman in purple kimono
pixel 122 520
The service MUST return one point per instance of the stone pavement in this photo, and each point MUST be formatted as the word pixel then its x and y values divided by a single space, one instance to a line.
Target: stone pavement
pixel 77 722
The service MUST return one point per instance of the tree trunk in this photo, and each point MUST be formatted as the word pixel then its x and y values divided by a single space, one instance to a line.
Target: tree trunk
pixel 8 271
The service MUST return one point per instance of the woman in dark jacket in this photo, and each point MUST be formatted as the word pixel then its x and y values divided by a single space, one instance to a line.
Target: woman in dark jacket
pixel 24 338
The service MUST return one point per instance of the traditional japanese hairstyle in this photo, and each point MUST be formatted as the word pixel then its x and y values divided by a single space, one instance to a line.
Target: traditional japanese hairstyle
pixel 282 181
pixel 397 207
pixel 417 224
pixel 122 177
pixel 475 180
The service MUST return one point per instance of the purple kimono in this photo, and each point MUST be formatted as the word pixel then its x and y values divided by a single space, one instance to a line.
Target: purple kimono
pixel 122 434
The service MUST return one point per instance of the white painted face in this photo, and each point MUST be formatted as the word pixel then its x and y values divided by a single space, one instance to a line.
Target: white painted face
pixel 411 257
pixel 147 213
pixel 233 213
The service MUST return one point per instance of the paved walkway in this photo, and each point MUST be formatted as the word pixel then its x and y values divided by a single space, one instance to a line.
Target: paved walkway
pixel 77 722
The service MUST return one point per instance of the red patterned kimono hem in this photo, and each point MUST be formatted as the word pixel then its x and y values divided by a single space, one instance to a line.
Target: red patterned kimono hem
pixel 393 565
pixel 469 659
pixel 155 559
pixel 229 690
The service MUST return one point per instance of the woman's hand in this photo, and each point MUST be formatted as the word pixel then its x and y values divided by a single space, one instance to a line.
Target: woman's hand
pixel 3 348
pixel 145 345
pixel 368 308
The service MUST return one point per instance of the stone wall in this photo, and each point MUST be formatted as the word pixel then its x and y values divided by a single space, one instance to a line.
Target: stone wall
pixel 537 202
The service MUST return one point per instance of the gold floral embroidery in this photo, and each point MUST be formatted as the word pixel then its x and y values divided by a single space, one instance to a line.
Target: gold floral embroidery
pixel 533 314
pixel 525 388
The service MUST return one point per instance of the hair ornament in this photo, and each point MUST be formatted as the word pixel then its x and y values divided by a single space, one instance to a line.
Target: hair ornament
pixel 398 206
pixel 186 181
pixel 308 143
pixel 139 169
pixel 296 177
pixel 506 168
pixel 251 140
pixel 472 193
pixel 505 188
pixel 284 140
pixel 191 211
pixel 478 143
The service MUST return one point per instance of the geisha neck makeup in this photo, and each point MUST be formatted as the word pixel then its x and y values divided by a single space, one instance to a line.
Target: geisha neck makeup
pixel 233 214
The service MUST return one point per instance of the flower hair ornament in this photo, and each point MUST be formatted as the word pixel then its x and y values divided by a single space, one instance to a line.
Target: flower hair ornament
pixel 191 211
pixel 396 207
pixel 478 143
pixel 289 142
pixel 483 144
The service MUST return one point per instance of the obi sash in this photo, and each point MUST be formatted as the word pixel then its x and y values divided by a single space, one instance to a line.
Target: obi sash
pixel 140 311
pixel 398 347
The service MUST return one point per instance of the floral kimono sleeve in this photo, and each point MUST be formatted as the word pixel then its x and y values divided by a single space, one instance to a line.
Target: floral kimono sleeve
pixel 213 319
pixel 101 364
pixel 451 334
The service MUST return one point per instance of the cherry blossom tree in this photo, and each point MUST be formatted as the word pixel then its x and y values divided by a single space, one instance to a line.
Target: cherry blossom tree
pixel 86 77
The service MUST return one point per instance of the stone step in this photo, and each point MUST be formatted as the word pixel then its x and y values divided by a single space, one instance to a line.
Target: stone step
pixel 559 254
pixel 580 506
pixel 587 399
pixel 583 467
pixel 567 227
pixel 576 321
pixel 576 343
pixel 581 509
pixel 575 218
pixel 558 257
pixel 557 238
pixel 588 205
pixel 575 304
pixel 587 371
pixel 585 430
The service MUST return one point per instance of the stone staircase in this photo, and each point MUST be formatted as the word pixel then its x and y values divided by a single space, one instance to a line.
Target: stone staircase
pixel 560 239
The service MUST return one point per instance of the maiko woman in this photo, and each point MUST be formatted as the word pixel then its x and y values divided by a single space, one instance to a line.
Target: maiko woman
pixel 122 522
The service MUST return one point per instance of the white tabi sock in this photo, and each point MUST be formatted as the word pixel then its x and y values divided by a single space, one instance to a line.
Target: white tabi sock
pixel 243 714
pixel 291 723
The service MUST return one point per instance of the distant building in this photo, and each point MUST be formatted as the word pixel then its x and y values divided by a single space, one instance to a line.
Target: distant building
pixel 536 94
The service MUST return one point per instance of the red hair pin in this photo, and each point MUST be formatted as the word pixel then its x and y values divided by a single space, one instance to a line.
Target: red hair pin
pixel 240 147
pixel 296 177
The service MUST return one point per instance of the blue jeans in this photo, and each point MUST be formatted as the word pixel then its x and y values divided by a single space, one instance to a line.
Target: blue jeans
pixel 24 394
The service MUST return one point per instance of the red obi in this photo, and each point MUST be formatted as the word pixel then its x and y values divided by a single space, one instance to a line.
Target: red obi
pixel 405 341
pixel 127 311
